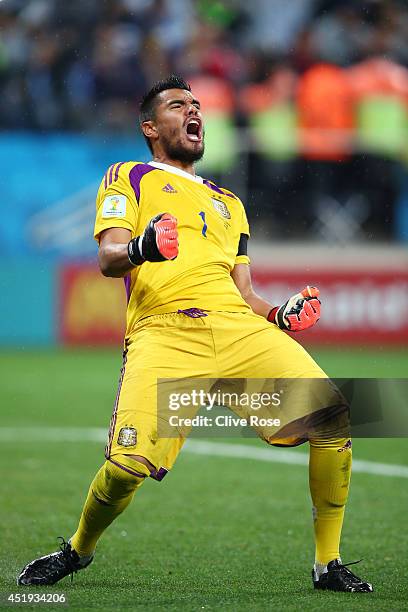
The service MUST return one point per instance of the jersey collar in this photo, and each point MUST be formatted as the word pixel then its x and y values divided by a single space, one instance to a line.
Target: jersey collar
pixel 174 170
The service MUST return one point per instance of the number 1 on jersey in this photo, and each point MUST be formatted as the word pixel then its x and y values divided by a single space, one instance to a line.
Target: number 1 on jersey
pixel 204 228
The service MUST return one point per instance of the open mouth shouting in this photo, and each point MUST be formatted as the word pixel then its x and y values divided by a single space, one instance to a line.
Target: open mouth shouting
pixel 194 129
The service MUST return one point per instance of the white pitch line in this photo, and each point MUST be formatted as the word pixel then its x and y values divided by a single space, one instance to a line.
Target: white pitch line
pixel 197 447
pixel 53 434
pixel 280 455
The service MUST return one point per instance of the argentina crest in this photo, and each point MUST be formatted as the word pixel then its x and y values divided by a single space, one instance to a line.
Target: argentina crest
pixel 221 207
pixel 127 436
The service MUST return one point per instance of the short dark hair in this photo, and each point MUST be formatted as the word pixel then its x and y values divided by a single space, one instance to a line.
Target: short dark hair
pixel 148 103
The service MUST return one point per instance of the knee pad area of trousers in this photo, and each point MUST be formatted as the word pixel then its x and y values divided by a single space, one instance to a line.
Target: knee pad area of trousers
pixel 117 481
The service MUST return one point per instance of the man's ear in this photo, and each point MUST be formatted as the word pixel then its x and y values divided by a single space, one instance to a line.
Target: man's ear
pixel 149 130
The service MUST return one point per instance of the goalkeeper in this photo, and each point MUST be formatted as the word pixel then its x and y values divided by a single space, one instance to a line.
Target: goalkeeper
pixel 180 243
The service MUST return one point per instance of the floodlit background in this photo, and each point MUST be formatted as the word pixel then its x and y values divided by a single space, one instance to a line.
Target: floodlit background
pixel 306 110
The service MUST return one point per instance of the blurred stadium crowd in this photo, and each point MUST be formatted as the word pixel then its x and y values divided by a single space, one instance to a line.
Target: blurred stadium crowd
pixel 304 99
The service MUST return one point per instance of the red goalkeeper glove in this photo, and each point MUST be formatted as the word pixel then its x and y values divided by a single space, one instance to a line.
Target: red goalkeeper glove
pixel 157 243
pixel 299 312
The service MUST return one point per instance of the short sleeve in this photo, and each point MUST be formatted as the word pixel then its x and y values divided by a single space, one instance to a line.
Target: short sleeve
pixel 116 204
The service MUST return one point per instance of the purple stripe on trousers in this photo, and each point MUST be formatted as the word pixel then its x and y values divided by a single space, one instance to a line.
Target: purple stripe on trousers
pixel 159 474
pixel 135 176
pixel 214 187
pixel 115 407
pixel 155 474
pixel 117 170
pixel 127 280
pixel 128 470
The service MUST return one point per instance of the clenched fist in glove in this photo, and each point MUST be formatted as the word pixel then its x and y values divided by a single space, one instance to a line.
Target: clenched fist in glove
pixel 299 312
pixel 157 243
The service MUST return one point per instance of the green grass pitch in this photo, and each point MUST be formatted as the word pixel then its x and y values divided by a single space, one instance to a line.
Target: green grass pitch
pixel 218 533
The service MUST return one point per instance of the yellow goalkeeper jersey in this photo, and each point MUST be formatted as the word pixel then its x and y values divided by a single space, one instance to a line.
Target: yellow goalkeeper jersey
pixel 210 223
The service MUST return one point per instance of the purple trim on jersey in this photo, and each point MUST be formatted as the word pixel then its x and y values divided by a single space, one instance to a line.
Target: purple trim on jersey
pixel 135 176
pixel 117 170
pixel 214 187
pixel 127 280
pixel 111 173
pixel 194 313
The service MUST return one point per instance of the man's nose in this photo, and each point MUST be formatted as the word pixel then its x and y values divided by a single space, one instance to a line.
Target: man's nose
pixel 192 110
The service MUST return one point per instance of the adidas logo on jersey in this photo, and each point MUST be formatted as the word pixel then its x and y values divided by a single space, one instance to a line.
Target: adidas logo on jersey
pixel 169 188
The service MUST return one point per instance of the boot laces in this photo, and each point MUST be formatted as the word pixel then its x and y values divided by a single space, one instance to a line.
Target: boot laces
pixel 65 559
pixel 348 576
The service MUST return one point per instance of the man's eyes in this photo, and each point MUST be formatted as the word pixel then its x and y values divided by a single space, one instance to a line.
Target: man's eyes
pixel 180 104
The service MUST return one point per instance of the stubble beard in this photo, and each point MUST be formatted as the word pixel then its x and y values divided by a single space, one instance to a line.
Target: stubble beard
pixel 175 149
